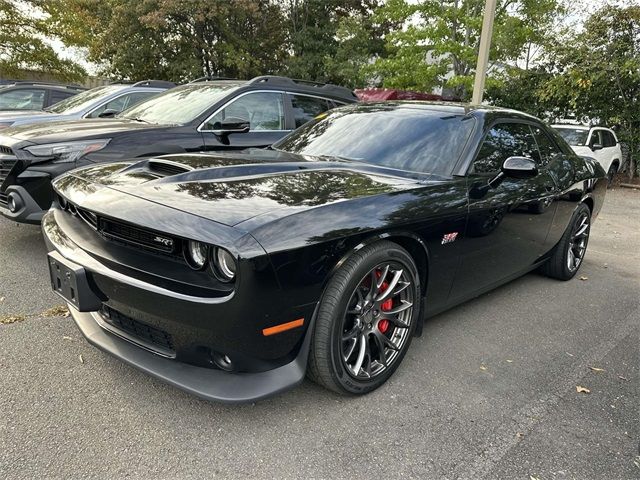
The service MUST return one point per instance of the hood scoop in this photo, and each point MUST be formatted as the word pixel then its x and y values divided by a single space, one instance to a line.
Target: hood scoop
pixel 167 168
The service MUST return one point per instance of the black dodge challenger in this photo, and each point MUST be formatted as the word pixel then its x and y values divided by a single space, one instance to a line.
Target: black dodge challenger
pixel 233 275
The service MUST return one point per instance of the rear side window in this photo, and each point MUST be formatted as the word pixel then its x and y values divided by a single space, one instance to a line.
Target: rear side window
pixel 608 139
pixel 57 96
pixel 504 140
pixel 22 99
pixel 549 151
pixel 307 108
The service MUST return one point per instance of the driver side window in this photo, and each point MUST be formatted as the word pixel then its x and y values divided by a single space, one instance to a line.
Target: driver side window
pixel 504 140
pixel 263 110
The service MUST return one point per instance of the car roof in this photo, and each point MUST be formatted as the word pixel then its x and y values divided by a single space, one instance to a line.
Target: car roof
pixel 285 83
pixel 47 85
pixel 571 126
pixel 450 107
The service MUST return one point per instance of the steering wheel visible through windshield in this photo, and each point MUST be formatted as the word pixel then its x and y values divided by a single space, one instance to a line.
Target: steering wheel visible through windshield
pixel 426 140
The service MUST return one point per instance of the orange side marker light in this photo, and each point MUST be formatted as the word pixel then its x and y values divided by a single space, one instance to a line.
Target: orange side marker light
pixel 283 327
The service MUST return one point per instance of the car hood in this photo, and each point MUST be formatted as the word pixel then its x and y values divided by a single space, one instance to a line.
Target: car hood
pixel 231 188
pixel 61 131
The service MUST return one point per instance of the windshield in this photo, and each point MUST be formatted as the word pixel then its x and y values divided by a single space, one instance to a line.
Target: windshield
pixel 405 137
pixel 179 105
pixel 573 136
pixel 83 100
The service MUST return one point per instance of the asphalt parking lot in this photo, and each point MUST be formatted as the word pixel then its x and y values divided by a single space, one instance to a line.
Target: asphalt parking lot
pixel 489 390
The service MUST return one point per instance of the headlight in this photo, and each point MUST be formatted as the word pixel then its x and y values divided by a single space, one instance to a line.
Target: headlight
pixel 224 265
pixel 196 254
pixel 67 151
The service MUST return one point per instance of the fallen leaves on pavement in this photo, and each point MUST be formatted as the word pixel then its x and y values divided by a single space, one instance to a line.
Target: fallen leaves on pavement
pixel 57 311
pixel 7 319
pixel 580 389
pixel 583 278
pixel 596 369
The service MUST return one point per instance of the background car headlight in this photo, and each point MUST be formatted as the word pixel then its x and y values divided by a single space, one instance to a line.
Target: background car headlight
pixel 196 254
pixel 224 264
pixel 67 151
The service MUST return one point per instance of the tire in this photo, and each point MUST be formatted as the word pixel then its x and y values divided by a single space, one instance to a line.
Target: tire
pixel 558 266
pixel 350 311
pixel 613 169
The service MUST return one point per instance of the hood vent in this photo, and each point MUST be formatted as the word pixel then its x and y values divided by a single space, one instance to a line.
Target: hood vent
pixel 167 168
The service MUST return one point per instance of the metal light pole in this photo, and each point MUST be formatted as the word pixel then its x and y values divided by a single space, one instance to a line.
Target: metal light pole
pixel 483 52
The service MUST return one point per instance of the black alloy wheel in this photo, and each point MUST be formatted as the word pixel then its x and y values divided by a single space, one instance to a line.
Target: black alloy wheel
pixel 366 320
pixel 568 255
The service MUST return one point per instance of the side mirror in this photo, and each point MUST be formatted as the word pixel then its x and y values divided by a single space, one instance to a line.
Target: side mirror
pixel 515 167
pixel 231 125
pixel 519 167
pixel 596 146
pixel 109 113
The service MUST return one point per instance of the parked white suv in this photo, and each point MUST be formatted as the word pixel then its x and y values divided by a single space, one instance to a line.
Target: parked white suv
pixel 595 142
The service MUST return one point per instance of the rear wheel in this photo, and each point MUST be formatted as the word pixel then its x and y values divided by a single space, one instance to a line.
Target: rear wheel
pixel 365 320
pixel 569 253
pixel 613 169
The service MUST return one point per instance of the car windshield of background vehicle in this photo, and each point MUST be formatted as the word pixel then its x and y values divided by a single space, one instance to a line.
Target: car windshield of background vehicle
pixel 573 136
pixel 179 105
pixel 418 140
pixel 83 100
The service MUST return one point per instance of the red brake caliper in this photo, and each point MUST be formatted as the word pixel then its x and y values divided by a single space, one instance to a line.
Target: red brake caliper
pixel 384 324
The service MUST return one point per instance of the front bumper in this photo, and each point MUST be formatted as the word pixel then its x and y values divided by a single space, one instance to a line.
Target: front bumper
pixel 102 284
pixel 27 211
pixel 216 385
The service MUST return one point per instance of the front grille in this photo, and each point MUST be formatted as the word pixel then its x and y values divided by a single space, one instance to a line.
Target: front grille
pixel 137 236
pixel 137 329
pixel 6 168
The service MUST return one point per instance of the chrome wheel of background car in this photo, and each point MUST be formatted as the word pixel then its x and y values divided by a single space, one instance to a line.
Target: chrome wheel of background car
pixel 377 322
pixel 578 241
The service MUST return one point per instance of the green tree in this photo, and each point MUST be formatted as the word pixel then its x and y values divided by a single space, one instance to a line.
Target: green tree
pixel 332 40
pixel 437 43
pixel 23 28
pixel 598 73
pixel 175 39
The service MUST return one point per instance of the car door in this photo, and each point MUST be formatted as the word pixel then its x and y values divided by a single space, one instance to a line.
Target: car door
pixel 596 145
pixel 265 112
pixel 508 223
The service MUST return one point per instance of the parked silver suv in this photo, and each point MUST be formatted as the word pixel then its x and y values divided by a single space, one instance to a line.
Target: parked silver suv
pixel 104 101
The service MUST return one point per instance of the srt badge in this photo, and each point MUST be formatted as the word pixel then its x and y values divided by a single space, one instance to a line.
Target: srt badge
pixel 449 237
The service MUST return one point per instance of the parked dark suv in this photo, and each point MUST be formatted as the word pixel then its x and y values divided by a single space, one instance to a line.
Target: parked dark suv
pixel 201 116
pixel 34 95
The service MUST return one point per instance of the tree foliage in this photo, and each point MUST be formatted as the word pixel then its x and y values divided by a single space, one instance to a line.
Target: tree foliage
pixel 437 42
pixel 594 74
pixel 175 39
pixel 23 27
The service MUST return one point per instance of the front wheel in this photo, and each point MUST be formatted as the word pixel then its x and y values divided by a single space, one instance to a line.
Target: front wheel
pixel 366 319
pixel 570 251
